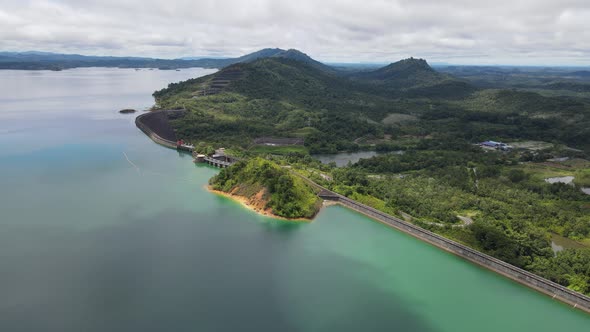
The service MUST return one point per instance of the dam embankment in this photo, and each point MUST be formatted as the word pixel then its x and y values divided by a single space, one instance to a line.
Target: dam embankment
pixel 155 124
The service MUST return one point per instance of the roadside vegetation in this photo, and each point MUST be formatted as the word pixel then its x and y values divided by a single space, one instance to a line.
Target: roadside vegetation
pixel 513 210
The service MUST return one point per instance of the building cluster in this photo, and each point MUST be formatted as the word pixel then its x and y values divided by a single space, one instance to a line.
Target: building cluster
pixel 495 145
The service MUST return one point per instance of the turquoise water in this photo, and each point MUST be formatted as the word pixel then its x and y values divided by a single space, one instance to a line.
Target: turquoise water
pixel 103 230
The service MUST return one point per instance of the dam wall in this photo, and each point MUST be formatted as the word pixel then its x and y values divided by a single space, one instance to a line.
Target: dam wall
pixel 155 125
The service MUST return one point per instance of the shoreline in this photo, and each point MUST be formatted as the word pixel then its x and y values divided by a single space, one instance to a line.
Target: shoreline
pixel 518 275
pixel 244 201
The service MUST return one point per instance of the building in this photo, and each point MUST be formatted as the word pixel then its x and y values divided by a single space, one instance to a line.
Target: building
pixel 495 145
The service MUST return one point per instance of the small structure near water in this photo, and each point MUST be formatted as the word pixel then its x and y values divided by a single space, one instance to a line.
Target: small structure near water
pixel 200 158
pixel 218 159
pixel 495 145
pixel 182 145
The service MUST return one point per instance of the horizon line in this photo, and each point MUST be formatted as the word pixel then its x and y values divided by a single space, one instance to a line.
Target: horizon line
pixel 436 63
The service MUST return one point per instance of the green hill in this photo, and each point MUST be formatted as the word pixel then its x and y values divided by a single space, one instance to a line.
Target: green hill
pixel 407 72
pixel 267 186
pixel 275 97
pixel 415 78
pixel 283 97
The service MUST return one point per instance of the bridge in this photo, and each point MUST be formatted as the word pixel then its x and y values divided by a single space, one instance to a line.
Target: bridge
pixel 218 163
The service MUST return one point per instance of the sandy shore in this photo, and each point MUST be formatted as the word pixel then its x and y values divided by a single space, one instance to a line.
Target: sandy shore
pixel 247 204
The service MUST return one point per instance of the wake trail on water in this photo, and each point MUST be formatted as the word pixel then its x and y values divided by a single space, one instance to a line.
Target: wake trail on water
pixel 132 164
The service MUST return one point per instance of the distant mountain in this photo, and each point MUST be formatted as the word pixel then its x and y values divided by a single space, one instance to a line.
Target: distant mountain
pixel 34 60
pixel 581 73
pixel 45 60
pixel 409 71
pixel 48 56
pixel 302 57
pixel 264 53
pixel 280 53
pixel 415 77
pixel 201 57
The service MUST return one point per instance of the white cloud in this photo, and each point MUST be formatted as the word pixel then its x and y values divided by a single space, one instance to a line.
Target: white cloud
pixel 466 31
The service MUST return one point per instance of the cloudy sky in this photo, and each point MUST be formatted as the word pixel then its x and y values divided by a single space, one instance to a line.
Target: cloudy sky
pixel 454 31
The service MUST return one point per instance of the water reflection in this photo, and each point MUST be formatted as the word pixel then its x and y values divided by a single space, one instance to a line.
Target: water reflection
pixel 342 159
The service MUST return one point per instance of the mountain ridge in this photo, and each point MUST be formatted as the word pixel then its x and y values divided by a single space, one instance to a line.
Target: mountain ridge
pixel 415 77
pixel 36 60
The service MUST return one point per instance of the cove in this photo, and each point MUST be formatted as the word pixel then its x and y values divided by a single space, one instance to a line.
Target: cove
pixel 103 230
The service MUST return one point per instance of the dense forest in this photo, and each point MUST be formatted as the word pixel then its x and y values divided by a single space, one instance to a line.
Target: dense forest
pixel 287 195
pixel 286 97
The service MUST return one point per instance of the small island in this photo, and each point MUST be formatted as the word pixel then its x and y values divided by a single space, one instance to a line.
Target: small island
pixel 268 189
pixel 127 111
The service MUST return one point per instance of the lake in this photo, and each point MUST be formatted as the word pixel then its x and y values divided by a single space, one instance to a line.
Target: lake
pixel 103 230
pixel 342 159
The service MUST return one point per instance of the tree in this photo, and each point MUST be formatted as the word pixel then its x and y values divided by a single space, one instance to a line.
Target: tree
pixel 516 175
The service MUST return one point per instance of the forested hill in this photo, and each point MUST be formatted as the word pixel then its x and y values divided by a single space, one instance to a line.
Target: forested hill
pixel 404 72
pixel 414 77
pixel 269 187
pixel 280 96
pixel 275 97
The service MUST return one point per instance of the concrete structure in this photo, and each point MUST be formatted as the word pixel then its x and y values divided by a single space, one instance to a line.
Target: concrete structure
pixel 200 158
pixel 152 122
pixel 155 125
pixel 218 163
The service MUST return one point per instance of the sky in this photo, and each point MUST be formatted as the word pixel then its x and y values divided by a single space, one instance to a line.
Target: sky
pixel 519 32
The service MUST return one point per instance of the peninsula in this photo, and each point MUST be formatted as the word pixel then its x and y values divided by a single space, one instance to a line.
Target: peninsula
pixel 268 189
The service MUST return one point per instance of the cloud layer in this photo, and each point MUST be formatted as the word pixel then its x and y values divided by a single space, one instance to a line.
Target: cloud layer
pixel 456 31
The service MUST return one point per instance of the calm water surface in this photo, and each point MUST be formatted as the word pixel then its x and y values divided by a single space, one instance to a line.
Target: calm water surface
pixel 103 230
